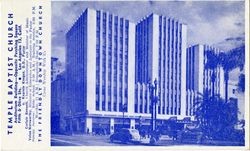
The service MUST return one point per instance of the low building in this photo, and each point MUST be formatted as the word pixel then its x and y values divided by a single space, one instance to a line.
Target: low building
pixel 58 107
pixel 237 100
pixel 201 76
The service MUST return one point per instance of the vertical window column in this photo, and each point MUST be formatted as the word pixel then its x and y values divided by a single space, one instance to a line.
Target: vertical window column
pixel 118 60
pixel 109 60
pixel 98 61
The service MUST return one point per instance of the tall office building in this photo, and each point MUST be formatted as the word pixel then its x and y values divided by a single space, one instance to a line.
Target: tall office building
pixel 100 72
pixel 199 76
pixel 161 54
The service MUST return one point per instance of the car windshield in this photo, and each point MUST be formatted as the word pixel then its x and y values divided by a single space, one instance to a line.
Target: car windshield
pixel 134 131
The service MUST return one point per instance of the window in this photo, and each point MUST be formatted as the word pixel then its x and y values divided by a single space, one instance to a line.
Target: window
pixel 104 16
pixel 109 106
pixel 115 106
pixel 97 107
pixel 126 93
pixel 136 108
pixel 145 108
pixel 103 105
pixel 97 89
pixel 98 14
pixel 115 91
pixel 110 20
pixel 115 77
pixel 103 90
pixel 140 108
pixel 120 106
pixel 120 92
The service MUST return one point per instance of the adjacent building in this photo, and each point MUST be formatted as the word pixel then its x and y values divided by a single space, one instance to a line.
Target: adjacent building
pixel 236 99
pixel 161 55
pixel 57 103
pixel 100 72
pixel 204 77
pixel 201 76
pixel 55 68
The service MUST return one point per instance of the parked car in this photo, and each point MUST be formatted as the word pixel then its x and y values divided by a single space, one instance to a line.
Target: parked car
pixel 154 137
pixel 125 136
pixel 190 136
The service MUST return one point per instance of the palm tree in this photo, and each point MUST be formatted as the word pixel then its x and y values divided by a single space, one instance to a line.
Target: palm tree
pixel 212 63
pixel 214 115
pixel 229 61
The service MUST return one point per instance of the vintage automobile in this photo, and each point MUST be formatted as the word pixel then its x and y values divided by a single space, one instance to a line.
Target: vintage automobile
pixel 125 136
pixel 190 136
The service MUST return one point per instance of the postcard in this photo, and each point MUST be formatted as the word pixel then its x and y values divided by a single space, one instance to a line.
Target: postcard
pixel 126 75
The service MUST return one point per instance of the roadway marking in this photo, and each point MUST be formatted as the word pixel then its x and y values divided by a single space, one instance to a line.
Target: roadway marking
pixel 63 141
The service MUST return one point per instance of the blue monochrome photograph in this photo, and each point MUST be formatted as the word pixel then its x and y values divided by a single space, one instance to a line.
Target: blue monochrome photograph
pixel 148 73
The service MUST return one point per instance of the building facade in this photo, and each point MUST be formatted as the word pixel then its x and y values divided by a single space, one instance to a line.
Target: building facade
pixel 199 75
pixel 58 104
pixel 161 55
pixel 100 73
pixel 55 68
pixel 236 98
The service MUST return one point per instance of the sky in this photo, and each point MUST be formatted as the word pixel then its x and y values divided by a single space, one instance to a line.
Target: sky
pixel 217 23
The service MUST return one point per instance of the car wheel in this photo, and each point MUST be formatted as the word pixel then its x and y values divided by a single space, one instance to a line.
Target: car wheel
pixel 111 139
pixel 152 141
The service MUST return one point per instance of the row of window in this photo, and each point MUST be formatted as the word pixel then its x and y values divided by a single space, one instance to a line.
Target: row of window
pixel 116 106
pixel 75 58
pixel 160 110
pixel 190 67
pixel 142 53
pixel 120 59
pixel 207 73
pixel 141 98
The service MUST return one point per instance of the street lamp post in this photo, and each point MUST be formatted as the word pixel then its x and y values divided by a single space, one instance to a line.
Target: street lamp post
pixel 153 98
pixel 155 101
pixel 124 107
pixel 140 120
pixel 151 106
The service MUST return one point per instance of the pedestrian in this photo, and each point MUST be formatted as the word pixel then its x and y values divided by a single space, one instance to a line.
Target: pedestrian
pixel 88 131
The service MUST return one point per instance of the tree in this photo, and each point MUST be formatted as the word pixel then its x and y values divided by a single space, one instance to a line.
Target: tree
pixel 215 116
pixel 230 60
pixel 212 63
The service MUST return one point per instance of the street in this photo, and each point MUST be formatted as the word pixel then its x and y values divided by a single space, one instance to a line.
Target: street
pixel 79 140
pixel 97 140
pixel 83 140
pixel 90 140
